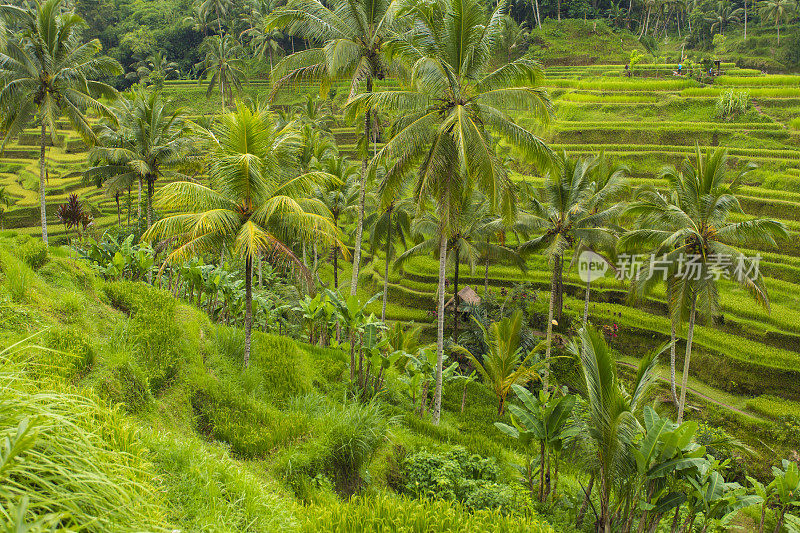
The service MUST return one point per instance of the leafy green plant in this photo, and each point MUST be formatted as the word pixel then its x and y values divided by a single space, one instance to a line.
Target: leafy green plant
pixel 732 103
pixel 505 363
pixel 541 419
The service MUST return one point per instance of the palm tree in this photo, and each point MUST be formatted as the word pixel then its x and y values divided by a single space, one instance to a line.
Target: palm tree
pixel 693 241
pixel 446 119
pixel 255 204
pixel 354 36
pixel 264 42
pixel 505 362
pixel 144 143
pixel 612 412
pixel 569 213
pixel 777 10
pixel 218 9
pixel 339 197
pixel 469 243
pixel 223 65
pixel 49 72
pixel 388 225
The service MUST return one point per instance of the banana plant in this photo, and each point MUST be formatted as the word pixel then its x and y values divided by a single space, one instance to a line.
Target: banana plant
pixel 351 314
pixel 116 260
pixel 541 419
pixel 665 454
pixel 785 491
pixel 313 312
pixel 420 373
pixel 710 495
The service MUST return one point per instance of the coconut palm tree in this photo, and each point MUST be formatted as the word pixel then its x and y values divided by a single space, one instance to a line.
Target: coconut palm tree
pixel 223 66
pixel 255 203
pixel 354 36
pixel 612 413
pixel 777 10
pixel 569 212
pixel 48 73
pixel 340 197
pixel 446 118
pixel 145 142
pixel 467 245
pixel 693 242
pixel 505 362
pixel 388 224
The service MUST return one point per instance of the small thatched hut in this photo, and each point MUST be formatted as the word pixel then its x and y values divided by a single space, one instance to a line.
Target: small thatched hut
pixel 467 295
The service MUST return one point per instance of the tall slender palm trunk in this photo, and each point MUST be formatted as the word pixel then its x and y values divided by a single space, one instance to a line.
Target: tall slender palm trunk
pixel 456 299
pixel 672 350
pixel 361 198
pixel 248 307
pixel 149 201
pixel 437 396
pixel 119 216
pixel 386 266
pixel 42 181
pixel 586 302
pixel 685 377
pixel 139 204
pixel 486 272
pixel 553 289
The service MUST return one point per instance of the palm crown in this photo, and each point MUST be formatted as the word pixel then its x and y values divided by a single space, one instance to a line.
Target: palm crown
pixel 144 143
pixel 255 203
pixel 49 72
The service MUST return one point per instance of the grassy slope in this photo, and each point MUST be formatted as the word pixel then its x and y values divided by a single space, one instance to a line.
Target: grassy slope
pixel 216 440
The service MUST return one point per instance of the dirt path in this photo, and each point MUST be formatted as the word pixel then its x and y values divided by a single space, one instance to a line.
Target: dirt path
pixel 703 396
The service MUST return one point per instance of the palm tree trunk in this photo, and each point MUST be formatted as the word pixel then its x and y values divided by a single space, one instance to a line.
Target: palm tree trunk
pixel 464 395
pixel 585 504
pixel 538 15
pixel 42 178
pixel 456 299
pixel 586 302
pixel 672 350
pixel 745 20
pixel 361 198
pixel 437 396
pixel 559 11
pixel 553 285
pixel 386 267
pixel 248 307
pixel 486 272
pixel 119 216
pixel 685 377
pixel 128 210
pixel 149 201
pixel 541 471
pixel 559 301
pixel 139 204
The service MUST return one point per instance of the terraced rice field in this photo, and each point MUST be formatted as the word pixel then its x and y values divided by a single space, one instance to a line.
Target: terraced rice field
pixel 644 122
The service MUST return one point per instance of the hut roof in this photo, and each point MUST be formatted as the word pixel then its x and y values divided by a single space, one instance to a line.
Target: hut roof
pixel 467 296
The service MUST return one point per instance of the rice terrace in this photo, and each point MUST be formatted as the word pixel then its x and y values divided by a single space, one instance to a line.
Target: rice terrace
pixel 400 265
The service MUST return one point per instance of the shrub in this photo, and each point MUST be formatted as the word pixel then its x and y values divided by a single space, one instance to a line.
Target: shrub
pixel 32 251
pixel 385 512
pixel 456 476
pixel 124 383
pixel 732 103
pixel 18 276
pixel 151 329
pixel 348 437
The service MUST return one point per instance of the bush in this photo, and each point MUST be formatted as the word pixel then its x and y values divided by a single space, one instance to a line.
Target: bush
pixel 456 476
pixel 32 251
pixel 348 437
pixel 18 276
pixel 126 384
pixel 385 512
pixel 152 329
pixel 208 491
